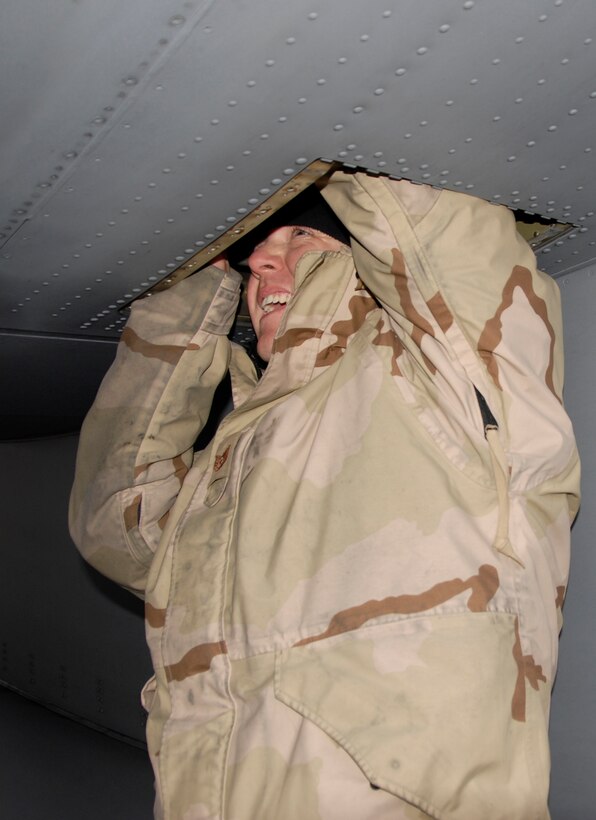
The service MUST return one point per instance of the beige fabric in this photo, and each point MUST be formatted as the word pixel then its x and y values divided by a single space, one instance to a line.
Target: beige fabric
pixel 355 583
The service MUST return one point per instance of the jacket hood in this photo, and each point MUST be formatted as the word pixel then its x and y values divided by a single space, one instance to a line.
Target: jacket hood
pixel 328 306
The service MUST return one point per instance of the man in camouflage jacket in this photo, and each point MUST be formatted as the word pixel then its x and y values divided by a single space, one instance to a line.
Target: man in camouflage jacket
pixel 353 594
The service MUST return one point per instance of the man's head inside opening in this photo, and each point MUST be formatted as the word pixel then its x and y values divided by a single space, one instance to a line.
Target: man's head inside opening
pixel 305 224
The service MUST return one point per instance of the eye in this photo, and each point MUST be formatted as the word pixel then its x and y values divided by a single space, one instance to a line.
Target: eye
pixel 298 230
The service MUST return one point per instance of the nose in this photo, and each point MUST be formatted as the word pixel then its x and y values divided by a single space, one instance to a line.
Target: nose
pixel 266 258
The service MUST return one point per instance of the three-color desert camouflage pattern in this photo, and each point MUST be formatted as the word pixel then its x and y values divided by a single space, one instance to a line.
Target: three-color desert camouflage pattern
pixel 353 594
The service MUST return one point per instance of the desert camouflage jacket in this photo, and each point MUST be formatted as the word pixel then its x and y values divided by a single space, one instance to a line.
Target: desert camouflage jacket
pixel 353 594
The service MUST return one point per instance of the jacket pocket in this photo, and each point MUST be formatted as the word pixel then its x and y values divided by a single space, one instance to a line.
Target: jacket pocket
pixel 425 707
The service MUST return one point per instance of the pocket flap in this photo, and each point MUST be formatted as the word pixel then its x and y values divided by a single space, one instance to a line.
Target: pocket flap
pixel 424 707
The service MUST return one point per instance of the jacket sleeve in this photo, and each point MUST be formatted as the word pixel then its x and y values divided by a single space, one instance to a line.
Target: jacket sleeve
pixel 469 312
pixel 136 443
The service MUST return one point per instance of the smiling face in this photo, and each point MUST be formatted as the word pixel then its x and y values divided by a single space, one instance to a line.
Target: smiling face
pixel 272 265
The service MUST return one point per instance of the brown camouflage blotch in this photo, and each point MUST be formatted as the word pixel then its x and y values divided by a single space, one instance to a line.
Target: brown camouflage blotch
pixel 438 308
pixel 195 661
pixel 493 329
pixel 420 326
pixel 161 522
pixel 132 514
pixel 295 337
pixel 193 346
pixel 483 587
pixel 390 339
pixel 527 669
pixel 140 469
pixel 560 597
pixel 166 353
pixel 155 617
pixel 359 307
pixel 180 468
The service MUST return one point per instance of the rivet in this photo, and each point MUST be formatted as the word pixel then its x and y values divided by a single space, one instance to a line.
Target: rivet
pixel 572 112
pixel 282 119
pixel 130 81
pixel 247 153
pixel 552 127
pixel 313 15
pixel 421 50
pixel 426 176
pixel 198 196
pixel 593 95
pixel 269 63
pixel 519 39
pixel 587 150
pixel 387 13
pixel 232 103
pixel 511 158
pixel 342 60
pixel 321 81
pixel 531 143
pixel 302 100
pixel 252 201
pixel 496 118
pixel 444 28
pixel 251 83
pixel 379 91
pixel 364 38
pixel 264 191
pixel 565 60
pixel 519 100
pixel 229 167
pixel 449 102
pixel 264 136
pixel 587 41
pixel 214 182
pixel 290 41
pixel 496 61
pixel 469 4
pixel 473 81
pixel 451 151
pixel 215 121
pixel 358 109
pixel 177 20
pixel 152 185
pixel 423 123
pixel 400 72
pixel 338 127
pixel 301 161
pixel 275 181
pixel 198 139
pixel 407 136
pixel 541 81
pixel 351 146
pixel 468 139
